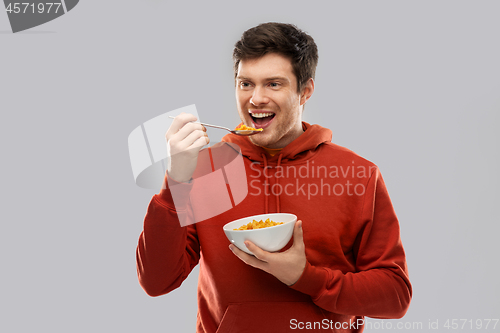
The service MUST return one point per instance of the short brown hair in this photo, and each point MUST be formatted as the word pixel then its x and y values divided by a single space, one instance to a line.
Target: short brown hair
pixel 281 38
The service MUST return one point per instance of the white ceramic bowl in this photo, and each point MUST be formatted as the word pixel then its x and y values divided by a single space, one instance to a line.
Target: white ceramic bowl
pixel 270 239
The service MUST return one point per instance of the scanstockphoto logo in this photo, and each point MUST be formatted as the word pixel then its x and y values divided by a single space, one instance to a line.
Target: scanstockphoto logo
pixel 220 181
pixel 25 15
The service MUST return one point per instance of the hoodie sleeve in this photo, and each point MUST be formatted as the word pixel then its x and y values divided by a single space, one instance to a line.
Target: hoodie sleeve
pixel 166 252
pixel 380 287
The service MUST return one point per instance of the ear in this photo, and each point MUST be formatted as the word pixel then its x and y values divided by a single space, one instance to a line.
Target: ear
pixel 307 91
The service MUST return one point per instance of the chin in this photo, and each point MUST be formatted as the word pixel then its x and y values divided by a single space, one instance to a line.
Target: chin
pixel 258 142
pixel 263 142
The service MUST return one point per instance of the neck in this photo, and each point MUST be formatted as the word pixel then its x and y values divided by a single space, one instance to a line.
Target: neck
pixel 285 141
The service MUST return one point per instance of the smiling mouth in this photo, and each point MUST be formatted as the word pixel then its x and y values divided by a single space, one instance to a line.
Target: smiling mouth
pixel 262 119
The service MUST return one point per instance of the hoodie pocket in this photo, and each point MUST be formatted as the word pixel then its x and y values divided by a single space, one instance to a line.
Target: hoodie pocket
pixel 273 317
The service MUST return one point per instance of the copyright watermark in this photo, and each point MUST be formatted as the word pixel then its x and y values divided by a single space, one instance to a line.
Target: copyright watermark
pixel 370 324
pixel 433 324
pixel 326 324
pixel 310 180
pixel 25 15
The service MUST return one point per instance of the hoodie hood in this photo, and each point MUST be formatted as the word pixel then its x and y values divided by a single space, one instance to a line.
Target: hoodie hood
pixel 313 136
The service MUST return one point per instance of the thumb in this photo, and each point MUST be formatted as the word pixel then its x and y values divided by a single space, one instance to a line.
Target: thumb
pixel 298 235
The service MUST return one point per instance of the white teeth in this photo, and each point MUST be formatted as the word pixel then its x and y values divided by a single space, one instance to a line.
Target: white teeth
pixel 262 115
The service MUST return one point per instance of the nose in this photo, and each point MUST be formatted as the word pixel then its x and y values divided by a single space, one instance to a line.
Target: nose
pixel 259 97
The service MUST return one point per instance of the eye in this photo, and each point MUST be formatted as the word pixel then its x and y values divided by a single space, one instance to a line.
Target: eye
pixel 274 84
pixel 245 85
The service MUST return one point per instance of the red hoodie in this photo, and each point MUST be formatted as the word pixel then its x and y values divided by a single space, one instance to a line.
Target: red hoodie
pixel 355 267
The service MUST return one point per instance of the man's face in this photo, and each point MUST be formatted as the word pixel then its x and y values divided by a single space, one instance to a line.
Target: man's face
pixel 267 97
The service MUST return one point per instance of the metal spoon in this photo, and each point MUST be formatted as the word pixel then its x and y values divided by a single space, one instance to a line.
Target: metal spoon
pixel 237 132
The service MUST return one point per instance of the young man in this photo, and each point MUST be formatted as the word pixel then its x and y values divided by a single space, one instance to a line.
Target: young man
pixel 346 260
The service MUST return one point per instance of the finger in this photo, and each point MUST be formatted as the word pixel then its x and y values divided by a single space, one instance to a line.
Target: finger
pixel 200 142
pixel 179 122
pixel 257 251
pixel 247 258
pixel 298 234
pixel 181 141
pixel 189 140
pixel 186 130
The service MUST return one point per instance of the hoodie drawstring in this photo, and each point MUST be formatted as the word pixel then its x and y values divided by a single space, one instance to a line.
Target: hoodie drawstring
pixel 266 184
pixel 277 182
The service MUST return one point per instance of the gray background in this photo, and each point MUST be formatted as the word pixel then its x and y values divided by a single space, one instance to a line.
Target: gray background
pixel 411 85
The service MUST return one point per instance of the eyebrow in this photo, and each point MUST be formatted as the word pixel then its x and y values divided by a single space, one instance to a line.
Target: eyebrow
pixel 282 78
